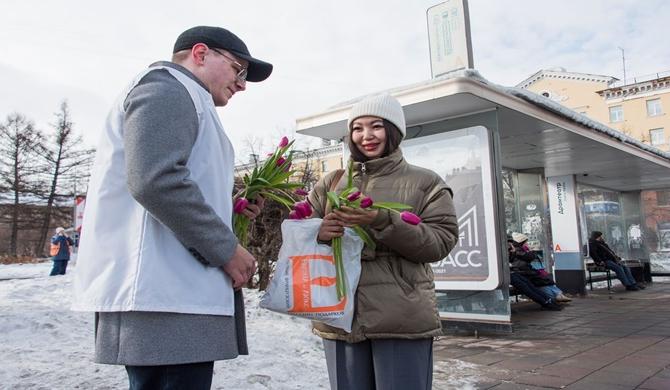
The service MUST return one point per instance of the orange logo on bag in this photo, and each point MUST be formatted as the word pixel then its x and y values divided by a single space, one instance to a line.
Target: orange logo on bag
pixel 303 282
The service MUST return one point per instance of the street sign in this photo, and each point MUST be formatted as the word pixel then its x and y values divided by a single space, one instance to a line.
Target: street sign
pixel 449 37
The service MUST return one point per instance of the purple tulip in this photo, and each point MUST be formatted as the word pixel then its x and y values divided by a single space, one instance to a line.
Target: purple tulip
pixel 303 209
pixel 410 218
pixel 354 196
pixel 283 142
pixel 240 205
pixel 301 192
pixel 366 202
pixel 280 161
pixel 293 215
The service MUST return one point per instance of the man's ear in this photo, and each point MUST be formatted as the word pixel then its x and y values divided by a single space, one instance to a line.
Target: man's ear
pixel 198 52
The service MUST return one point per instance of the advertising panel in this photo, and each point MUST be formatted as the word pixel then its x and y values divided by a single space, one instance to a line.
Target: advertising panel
pixel 463 159
pixel 563 212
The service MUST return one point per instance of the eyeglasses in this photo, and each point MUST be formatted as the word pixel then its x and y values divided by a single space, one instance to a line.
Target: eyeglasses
pixel 241 70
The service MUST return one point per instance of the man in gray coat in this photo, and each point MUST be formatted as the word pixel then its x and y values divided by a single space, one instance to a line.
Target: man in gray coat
pixel 159 263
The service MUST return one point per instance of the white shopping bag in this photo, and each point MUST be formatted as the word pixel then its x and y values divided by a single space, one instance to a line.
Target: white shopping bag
pixel 303 283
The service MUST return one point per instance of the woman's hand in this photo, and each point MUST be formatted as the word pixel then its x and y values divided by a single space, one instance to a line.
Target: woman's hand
pixel 331 227
pixel 354 216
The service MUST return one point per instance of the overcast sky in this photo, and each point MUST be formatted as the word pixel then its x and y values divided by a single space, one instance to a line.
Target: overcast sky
pixel 324 52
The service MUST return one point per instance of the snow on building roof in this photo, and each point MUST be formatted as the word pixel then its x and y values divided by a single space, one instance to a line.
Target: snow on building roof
pixel 563 74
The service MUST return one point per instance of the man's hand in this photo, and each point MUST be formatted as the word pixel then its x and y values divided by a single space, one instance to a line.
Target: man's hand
pixel 254 207
pixel 241 267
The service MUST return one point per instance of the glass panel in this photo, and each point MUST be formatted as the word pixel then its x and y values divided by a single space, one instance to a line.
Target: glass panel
pixel 494 302
pixel 511 200
pixel 601 210
pixel 656 228
pixel 531 208
pixel 631 210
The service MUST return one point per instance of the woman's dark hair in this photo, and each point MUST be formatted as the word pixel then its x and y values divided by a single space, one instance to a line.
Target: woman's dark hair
pixel 393 138
pixel 595 235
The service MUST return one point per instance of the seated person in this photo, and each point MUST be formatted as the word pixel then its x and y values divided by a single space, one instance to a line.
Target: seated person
pixel 522 257
pixel 527 288
pixel 604 256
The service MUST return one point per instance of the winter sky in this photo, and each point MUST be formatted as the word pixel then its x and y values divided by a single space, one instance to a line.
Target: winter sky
pixel 324 52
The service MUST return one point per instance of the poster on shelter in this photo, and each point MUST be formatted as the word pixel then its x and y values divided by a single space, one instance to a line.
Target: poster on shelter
pixel 463 159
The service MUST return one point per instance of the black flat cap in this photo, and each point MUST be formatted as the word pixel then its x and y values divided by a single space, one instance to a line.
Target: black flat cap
pixel 220 38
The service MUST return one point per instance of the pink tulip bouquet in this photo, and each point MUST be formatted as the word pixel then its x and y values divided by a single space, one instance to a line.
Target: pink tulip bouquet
pixel 351 197
pixel 271 180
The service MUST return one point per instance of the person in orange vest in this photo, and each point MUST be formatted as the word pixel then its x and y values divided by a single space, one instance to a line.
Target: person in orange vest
pixel 60 251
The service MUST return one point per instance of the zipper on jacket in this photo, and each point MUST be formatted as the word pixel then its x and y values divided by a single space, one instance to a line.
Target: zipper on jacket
pixel 364 178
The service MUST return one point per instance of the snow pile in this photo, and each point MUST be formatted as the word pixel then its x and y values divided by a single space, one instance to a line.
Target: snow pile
pixel 47 346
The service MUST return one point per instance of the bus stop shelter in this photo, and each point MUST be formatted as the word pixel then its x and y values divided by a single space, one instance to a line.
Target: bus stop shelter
pixel 515 161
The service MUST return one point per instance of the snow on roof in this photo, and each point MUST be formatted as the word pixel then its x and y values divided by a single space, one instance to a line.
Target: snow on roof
pixel 584 120
pixel 530 97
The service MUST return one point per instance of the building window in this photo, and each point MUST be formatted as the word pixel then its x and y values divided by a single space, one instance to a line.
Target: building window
pixel 657 136
pixel 654 107
pixel 616 114
pixel 324 166
pixel 663 198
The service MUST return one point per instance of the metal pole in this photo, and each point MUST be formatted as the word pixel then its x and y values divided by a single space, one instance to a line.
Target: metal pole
pixel 623 59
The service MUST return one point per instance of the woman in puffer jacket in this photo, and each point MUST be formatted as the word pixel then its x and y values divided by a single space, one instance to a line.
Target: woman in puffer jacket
pixel 395 315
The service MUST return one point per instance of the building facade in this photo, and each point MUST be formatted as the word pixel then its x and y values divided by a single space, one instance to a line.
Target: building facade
pixel 637 108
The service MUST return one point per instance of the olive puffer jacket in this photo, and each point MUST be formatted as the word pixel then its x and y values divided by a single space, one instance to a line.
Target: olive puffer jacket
pixel 396 292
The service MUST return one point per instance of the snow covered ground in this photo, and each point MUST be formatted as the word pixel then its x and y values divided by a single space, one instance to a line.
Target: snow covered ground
pixel 44 345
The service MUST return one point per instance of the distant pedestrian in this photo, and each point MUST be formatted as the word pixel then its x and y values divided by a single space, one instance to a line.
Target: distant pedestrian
pixel 60 244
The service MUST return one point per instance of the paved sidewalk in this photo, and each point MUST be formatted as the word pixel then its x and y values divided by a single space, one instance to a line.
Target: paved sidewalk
pixel 613 341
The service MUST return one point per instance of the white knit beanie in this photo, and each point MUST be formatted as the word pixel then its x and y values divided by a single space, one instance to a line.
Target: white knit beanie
pixel 519 237
pixel 383 106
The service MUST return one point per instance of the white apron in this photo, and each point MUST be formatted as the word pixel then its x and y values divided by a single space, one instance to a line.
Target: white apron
pixel 128 261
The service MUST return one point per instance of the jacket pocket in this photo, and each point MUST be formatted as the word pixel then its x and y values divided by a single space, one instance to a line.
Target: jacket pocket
pixel 401 275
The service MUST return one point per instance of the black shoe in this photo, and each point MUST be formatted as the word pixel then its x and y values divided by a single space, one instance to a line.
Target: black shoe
pixel 640 286
pixel 553 306
pixel 632 288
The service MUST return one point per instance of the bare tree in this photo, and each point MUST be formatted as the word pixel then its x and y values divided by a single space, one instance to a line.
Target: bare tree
pixel 305 169
pixel 65 164
pixel 19 182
